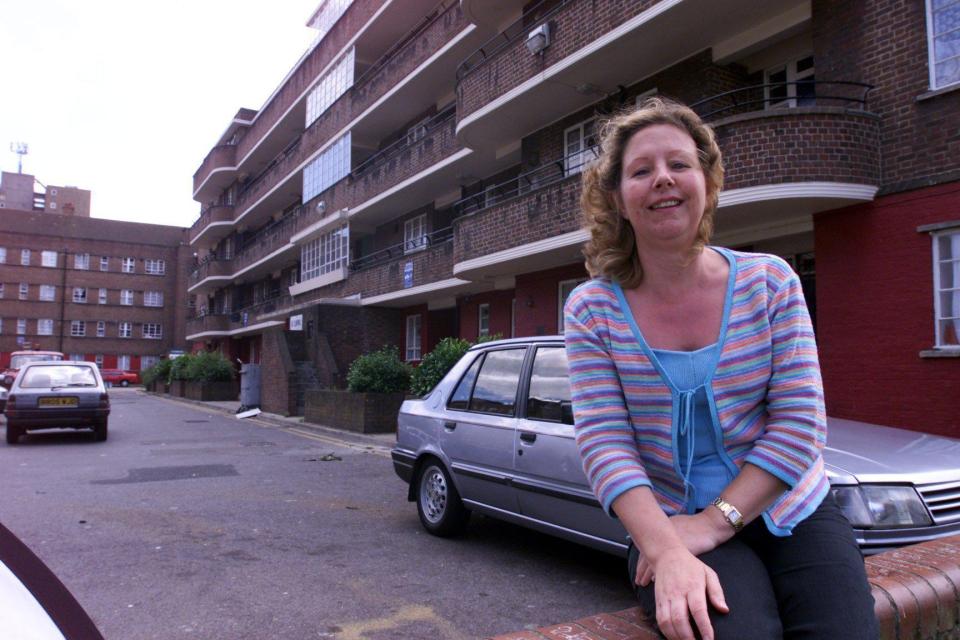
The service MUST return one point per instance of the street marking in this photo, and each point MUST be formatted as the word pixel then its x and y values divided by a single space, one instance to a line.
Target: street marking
pixel 405 615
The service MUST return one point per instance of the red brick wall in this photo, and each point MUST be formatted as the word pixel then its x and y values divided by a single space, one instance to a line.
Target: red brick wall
pixel 875 312
pixel 468 309
pixel 537 299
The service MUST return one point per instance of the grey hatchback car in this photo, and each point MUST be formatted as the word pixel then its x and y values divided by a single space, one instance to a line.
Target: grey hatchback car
pixel 495 436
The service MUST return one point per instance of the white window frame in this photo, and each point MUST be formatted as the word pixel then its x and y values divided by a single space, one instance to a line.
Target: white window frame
pixel 3 255
pixel 326 253
pixel 98 359
pixel 48 259
pixel 793 76
pixel 78 328
pixel 148 361
pixel 123 362
pixel 48 292
pixel 126 297
pixel 45 327
pixel 483 320
pixel 1 290
pixel 24 291
pixel 125 330
pixel 152 330
pixel 576 159
pixel 24 257
pixel 128 265
pixel 80 295
pixel 943 294
pixel 104 263
pixel 562 297
pixel 155 266
pixel 78 357
pixel 81 261
pixel 932 59
pixel 331 166
pixel 102 296
pixel 101 329
pixel 331 86
pixel 153 298
pixel 415 234
pixel 413 343
pixel 21 326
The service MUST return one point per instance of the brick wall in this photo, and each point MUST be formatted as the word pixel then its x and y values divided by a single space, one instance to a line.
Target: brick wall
pixel 276 390
pixel 429 265
pixel 221 156
pixel 468 309
pixel 875 312
pixel 538 299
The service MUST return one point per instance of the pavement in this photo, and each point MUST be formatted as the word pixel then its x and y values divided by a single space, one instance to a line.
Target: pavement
pixel 380 441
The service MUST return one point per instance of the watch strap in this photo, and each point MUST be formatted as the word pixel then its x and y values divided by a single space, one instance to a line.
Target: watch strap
pixel 730 513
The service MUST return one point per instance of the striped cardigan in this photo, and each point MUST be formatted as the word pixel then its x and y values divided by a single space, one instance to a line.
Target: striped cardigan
pixel 765 393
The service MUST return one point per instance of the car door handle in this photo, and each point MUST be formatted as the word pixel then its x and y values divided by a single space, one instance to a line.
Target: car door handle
pixel 449 426
pixel 528 437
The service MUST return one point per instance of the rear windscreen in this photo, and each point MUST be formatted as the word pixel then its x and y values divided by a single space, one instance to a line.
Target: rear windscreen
pixel 67 375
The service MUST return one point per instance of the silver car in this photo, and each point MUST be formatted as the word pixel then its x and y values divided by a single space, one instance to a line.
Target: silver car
pixel 57 395
pixel 495 436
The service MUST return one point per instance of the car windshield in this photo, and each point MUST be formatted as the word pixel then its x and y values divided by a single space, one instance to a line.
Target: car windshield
pixel 67 375
pixel 20 361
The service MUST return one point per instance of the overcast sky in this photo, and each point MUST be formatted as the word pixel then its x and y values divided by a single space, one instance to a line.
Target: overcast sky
pixel 125 98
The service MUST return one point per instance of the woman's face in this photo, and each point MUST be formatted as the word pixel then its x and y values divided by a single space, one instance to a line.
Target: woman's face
pixel 662 187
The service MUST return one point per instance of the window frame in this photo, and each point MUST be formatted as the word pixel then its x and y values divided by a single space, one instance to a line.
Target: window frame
pixel 932 52
pixel 102 296
pixel 44 322
pixel 3 255
pixel 527 385
pixel 155 266
pixel 124 329
pixel 81 261
pixel 78 329
pixel 21 326
pixel 415 234
pixel 413 348
pixel 152 331
pixel 101 329
pixel 24 257
pixel 126 297
pixel 128 265
pixel 562 299
pixel 938 290
pixel 48 293
pixel 483 331
pixel 479 362
pixel 24 291
pixel 48 259
pixel 789 67
pixel 79 295
pixel 153 298
pixel 104 263
pixel 569 166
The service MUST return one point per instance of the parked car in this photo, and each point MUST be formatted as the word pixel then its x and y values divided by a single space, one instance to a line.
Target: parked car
pixel 34 603
pixel 20 358
pixel 120 377
pixel 495 436
pixel 51 395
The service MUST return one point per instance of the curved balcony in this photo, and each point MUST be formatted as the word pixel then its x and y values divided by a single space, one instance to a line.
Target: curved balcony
pixel 213 324
pixel 214 224
pixel 492 13
pixel 505 92
pixel 210 274
pixel 216 172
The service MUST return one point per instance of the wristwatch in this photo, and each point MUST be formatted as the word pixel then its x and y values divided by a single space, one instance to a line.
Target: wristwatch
pixel 730 513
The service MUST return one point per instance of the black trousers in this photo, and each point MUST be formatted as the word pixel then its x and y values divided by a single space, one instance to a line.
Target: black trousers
pixel 811 584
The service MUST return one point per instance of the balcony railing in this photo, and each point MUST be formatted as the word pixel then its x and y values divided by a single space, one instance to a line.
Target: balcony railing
pixel 274 165
pixel 404 142
pixel 213 213
pixel 222 155
pixel 406 248
pixel 211 266
pixel 777 95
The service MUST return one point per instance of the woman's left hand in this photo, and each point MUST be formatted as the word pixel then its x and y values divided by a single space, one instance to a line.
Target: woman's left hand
pixel 700 533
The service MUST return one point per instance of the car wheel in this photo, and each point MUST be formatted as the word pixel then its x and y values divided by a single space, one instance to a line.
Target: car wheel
pixel 124 383
pixel 14 431
pixel 438 503
pixel 100 430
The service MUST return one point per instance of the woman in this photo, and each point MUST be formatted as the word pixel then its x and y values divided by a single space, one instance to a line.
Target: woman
pixel 698 402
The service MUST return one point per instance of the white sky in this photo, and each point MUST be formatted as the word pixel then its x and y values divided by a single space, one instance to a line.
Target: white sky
pixel 125 98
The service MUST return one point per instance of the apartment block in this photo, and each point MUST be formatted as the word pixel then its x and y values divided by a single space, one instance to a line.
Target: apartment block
pixel 416 175
pixel 24 192
pixel 106 291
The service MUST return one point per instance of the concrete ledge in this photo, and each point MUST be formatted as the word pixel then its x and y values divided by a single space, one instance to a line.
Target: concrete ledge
pixel 916 591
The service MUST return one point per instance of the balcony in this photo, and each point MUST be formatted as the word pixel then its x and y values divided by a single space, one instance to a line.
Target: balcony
pixel 505 92
pixel 211 273
pixel 214 224
pixel 212 324
pixel 216 172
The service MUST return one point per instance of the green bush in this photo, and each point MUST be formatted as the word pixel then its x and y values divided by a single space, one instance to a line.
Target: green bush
pixel 209 366
pixel 436 364
pixel 159 371
pixel 178 367
pixel 379 372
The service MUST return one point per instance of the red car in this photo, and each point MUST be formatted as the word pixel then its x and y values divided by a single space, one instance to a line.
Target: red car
pixel 20 358
pixel 119 377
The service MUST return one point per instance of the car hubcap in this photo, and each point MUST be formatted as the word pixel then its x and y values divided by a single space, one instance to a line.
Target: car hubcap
pixel 433 494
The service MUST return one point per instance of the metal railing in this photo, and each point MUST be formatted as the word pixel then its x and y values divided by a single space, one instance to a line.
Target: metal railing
pixel 806 93
pixel 277 159
pixel 405 141
pixel 405 248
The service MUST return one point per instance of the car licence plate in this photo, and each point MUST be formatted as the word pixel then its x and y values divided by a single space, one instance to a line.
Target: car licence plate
pixel 59 401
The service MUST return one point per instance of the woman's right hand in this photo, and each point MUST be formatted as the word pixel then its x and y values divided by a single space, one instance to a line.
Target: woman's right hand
pixel 683 587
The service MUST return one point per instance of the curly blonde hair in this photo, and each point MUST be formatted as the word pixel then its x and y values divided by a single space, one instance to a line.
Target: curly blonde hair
pixel 611 251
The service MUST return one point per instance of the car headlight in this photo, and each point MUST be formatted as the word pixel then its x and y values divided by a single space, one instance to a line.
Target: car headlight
pixel 882 506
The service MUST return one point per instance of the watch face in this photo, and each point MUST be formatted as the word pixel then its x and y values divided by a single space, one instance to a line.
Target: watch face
pixel 734 515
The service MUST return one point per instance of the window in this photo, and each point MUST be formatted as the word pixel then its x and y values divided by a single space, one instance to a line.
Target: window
pixel 104 263
pixel 155 267
pixel 48 258
pixel 566 286
pixel 152 330
pixel 943 42
pixel 327 168
pixel 102 297
pixel 78 328
pixel 148 361
pixel 549 395
pixel 3 255
pixel 333 85
pixel 45 327
pixel 413 337
pixel 21 326
pixel 25 257
pixel 483 320
pixel 48 292
pixel 101 328
pixel 81 261
pixel 153 298
pixel 53 206
pixel 491 383
pixel 99 360
pixel 946 275
pixel 79 357
pixel 24 290
pixel 125 330
pixel 327 253
pixel 328 15
pixel 1 290
pixel 415 234
pixel 123 363
pixel 580 145
pixel 128 265
pixel 792 84
pixel 126 296
pixel 1 325
pixel 80 295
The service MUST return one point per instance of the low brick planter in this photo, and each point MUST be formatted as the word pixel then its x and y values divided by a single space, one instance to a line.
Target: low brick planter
pixel 360 412
pixel 177 388
pixel 211 391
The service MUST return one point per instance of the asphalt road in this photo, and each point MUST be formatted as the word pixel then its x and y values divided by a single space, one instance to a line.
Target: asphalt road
pixel 189 523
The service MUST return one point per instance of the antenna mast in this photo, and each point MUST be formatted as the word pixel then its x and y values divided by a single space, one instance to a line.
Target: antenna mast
pixel 21 149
